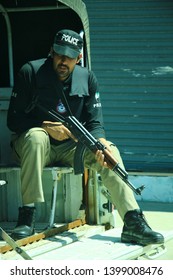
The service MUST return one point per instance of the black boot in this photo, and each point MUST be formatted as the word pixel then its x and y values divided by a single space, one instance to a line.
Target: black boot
pixel 136 230
pixel 26 223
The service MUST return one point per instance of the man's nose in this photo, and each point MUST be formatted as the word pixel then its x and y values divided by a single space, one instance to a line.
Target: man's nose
pixel 63 58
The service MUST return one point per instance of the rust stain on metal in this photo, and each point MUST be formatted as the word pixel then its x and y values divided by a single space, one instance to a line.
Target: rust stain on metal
pixel 44 234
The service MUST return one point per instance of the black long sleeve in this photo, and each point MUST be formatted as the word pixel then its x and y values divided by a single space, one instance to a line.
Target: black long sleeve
pixel 43 83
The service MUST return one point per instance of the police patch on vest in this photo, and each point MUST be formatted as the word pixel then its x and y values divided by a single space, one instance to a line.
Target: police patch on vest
pixel 60 108
pixel 97 97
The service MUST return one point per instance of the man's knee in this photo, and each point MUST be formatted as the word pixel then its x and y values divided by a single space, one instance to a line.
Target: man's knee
pixel 36 136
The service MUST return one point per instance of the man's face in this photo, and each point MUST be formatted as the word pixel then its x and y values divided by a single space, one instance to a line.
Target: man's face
pixel 63 65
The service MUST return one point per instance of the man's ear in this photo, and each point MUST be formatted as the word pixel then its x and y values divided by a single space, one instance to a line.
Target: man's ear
pixel 79 58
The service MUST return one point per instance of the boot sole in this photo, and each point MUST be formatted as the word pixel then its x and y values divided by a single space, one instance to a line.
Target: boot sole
pixel 139 241
pixel 20 236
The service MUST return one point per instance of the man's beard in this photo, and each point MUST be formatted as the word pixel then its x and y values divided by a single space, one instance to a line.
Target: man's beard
pixel 62 71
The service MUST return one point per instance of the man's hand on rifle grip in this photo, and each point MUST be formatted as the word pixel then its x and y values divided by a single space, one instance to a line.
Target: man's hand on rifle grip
pixel 57 131
pixel 99 154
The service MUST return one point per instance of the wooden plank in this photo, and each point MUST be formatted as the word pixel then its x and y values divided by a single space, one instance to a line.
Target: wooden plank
pixel 45 234
pixel 99 246
pixel 43 246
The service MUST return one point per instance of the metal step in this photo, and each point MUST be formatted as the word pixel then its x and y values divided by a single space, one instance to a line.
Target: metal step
pixel 89 243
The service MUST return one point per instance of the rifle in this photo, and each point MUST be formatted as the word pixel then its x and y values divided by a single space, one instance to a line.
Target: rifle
pixel 86 140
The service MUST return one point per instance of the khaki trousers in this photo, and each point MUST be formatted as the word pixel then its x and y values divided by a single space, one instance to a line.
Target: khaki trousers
pixel 34 151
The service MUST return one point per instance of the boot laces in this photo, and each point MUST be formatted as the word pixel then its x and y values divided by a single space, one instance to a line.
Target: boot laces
pixel 142 221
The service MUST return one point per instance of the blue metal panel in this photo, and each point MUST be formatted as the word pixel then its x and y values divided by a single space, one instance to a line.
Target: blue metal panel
pixel 132 56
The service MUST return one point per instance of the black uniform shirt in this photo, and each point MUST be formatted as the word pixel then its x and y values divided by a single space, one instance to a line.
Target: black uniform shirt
pixel 85 107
